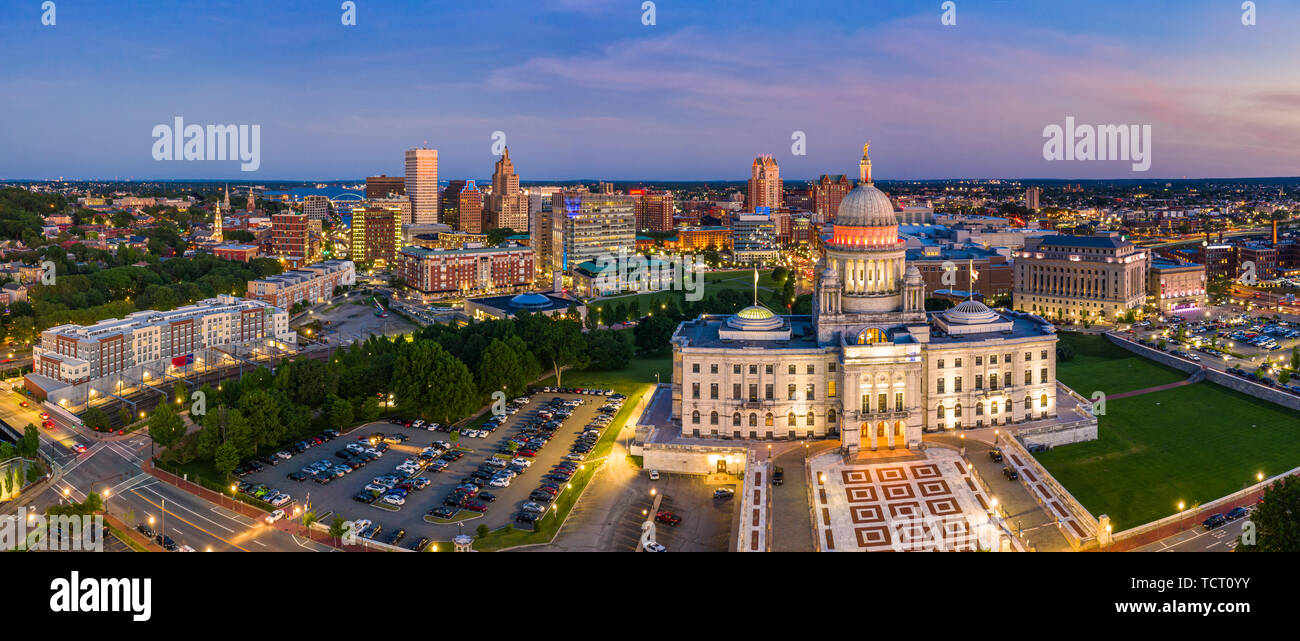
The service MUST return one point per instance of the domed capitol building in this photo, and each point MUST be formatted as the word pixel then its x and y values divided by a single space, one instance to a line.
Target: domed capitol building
pixel 870 365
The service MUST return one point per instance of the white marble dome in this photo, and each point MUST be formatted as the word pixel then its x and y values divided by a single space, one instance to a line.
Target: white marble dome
pixel 971 312
pixel 866 206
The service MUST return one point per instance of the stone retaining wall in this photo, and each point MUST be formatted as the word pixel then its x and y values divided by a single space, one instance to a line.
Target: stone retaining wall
pixel 1238 383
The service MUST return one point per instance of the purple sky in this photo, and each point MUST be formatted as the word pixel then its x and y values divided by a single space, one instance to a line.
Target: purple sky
pixel 583 90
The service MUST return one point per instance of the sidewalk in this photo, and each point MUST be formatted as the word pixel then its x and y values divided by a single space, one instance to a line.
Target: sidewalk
pixel 1024 514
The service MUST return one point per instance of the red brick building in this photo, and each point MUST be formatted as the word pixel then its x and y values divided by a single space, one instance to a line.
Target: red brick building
pixel 463 272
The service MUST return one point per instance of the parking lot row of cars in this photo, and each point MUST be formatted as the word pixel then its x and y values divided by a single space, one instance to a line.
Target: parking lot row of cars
pixel 548 420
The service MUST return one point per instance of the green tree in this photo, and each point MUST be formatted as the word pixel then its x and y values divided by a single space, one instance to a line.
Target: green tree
pixel 124 416
pixel 499 368
pixel 262 412
pixel 95 418
pixel 653 333
pixel 482 530
pixel 338 527
pixel 431 379
pixel 609 349
pixel 30 443
pixel 165 426
pixel 338 412
pixel 1276 519
pixel 226 458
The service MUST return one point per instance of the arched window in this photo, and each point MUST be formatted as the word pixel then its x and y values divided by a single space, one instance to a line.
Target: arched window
pixel 830 416
pixel 695 417
pixel 768 420
pixel 956 411
pixel 790 420
pixel 993 407
pixel 1042 400
pixel 940 412
pixel 898 428
pixel 880 429
pixel 812 418
pixel 871 336
pixel 735 419
pixel 1029 403
pixel 713 418
pixel 753 420
pixel 979 408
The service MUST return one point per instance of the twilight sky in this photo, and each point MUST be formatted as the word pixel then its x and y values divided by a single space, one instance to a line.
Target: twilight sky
pixel 583 90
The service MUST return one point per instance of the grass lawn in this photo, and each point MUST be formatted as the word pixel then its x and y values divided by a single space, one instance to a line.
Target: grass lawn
pixel 1101 365
pixel 1194 444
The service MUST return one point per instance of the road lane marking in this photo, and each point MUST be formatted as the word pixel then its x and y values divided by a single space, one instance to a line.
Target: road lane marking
pixel 181 506
pixel 197 527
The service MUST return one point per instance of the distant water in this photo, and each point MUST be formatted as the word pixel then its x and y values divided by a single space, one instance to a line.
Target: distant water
pixel 330 192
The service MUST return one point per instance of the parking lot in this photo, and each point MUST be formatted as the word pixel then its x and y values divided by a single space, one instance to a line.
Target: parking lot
pixel 1258 339
pixel 348 322
pixel 705 522
pixel 339 495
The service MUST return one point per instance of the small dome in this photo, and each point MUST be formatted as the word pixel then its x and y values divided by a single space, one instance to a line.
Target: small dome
pixel 866 206
pixel 755 313
pixel 530 300
pixel 970 312
pixel 755 317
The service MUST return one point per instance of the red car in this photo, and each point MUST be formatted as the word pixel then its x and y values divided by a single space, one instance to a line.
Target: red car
pixel 528 453
pixel 23 403
pixel 668 517
pixel 49 425
pixel 476 506
pixel 549 490
pixel 45 415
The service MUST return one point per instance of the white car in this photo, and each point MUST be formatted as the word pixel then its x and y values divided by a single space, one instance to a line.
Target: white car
pixel 394 499
pixel 500 483
pixel 654 475
pixel 519 460
pixel 496 462
pixel 360 525
pixel 274 516
pixel 375 487
pixel 443 444
pixel 651 546
pixel 283 455
pixel 374 452
pixel 281 500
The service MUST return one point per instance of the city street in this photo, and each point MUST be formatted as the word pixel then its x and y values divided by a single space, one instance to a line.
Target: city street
pixel 111 467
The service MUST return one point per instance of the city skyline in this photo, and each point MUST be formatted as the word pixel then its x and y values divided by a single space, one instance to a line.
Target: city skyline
pixel 585 90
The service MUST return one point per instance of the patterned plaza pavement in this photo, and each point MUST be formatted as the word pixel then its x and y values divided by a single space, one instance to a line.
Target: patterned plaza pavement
pixel 926 502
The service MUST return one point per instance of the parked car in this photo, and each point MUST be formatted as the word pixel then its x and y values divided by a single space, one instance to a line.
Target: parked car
pixel 1010 473
pixel 1236 513
pixel 274 516
pixel 723 493
pixel 651 546
pixel 663 516
pixel 996 455
pixel 1214 521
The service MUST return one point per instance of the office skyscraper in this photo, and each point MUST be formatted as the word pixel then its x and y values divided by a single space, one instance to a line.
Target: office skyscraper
pixel 316 207
pixel 654 210
pixel 422 184
pixel 764 184
pixel 509 205
pixel 470 207
pixel 595 224
pixel 1031 197
pixel 383 186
